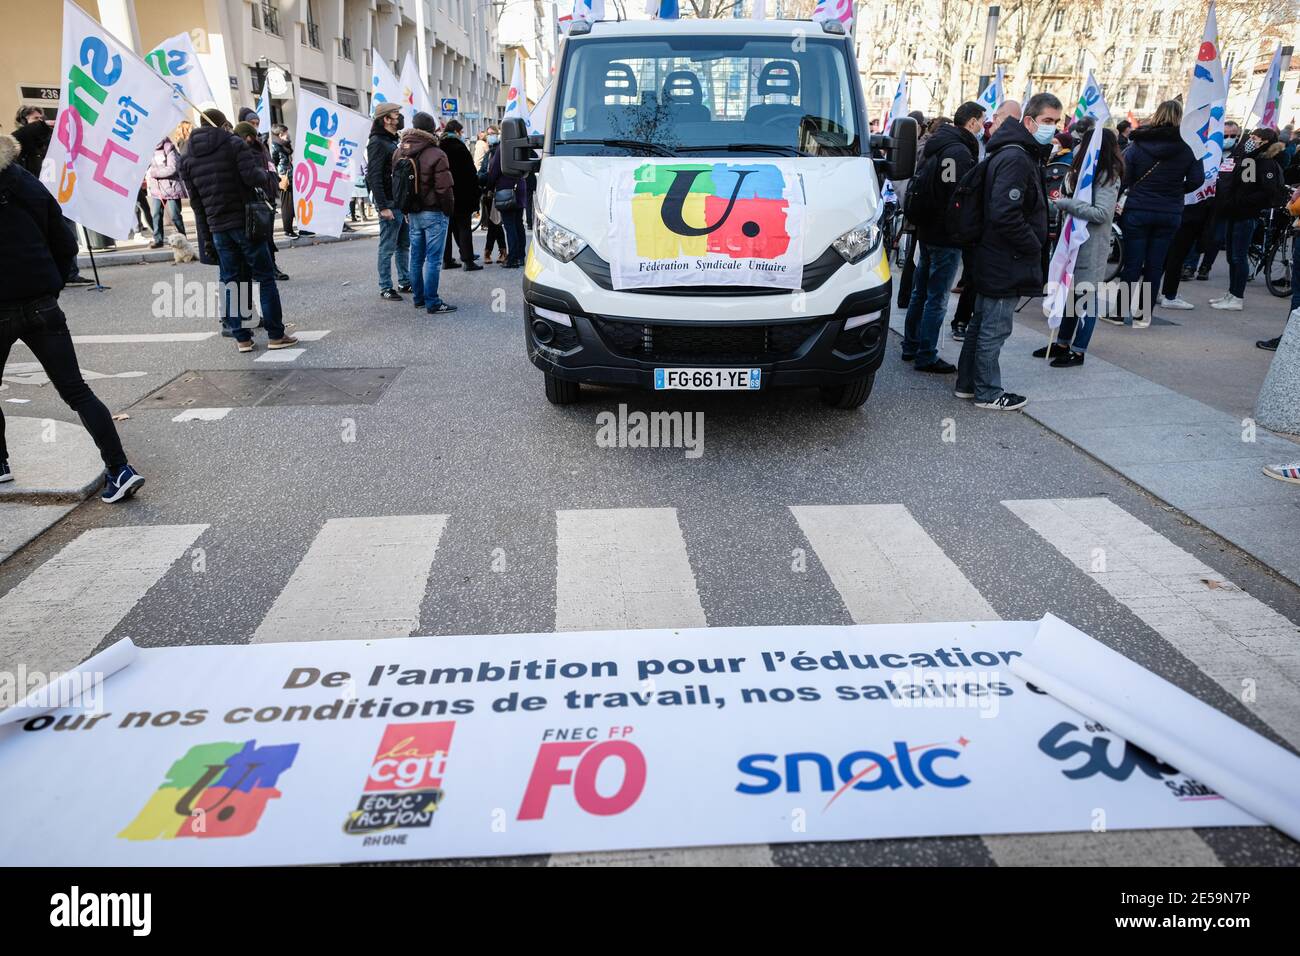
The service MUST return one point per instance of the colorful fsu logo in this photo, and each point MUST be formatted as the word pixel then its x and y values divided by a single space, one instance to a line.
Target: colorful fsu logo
pixel 404 787
pixel 696 209
pixel 215 790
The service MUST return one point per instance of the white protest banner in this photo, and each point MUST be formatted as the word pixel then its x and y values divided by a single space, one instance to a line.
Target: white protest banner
pixel 516 100
pixel 1207 100
pixel 1074 233
pixel 1268 102
pixel 330 139
pixel 385 88
pixel 415 95
pixel 176 61
pixel 723 223
pixel 538 115
pixel 113 110
pixel 414 748
pixel 1092 103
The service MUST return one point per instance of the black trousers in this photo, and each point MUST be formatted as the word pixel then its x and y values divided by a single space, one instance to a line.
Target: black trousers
pixel 42 327
pixel 460 230
pixel 966 301
pixel 286 208
pixel 1197 226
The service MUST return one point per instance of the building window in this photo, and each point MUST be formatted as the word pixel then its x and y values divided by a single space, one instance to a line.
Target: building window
pixel 878 89
pixel 1141 100
pixel 1114 22
pixel 968 55
pixel 1176 25
pixel 1228 61
pixel 345 47
pixel 313 28
pixel 1058 20
pixel 1168 60
pixel 1155 22
pixel 255 12
pixel 271 17
pixel 1147 57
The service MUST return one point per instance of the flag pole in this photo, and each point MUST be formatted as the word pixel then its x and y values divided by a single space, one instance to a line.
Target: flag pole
pixel 98 286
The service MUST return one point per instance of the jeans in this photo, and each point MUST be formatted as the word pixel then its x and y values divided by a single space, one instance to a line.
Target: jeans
pixel 1295 272
pixel 394 240
pixel 1147 237
pixel 1076 327
pixel 173 210
pixel 1240 232
pixel 929 302
pixel 428 234
pixel 41 325
pixel 513 223
pixel 237 254
pixel 990 326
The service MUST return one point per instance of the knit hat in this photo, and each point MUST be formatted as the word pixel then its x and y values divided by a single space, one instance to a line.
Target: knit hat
pixel 245 129
pixel 425 122
pixel 216 117
pixel 247 115
pixel 383 109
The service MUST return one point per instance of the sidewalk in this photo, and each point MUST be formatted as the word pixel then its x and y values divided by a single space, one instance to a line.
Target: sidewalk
pixel 137 248
pixel 1165 406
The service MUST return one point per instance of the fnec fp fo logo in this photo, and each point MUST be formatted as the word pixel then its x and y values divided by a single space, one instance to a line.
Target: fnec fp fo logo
pixel 215 790
pixel 605 771
pixel 404 786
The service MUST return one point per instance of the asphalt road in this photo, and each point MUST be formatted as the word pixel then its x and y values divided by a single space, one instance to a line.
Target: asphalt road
pixel 464 430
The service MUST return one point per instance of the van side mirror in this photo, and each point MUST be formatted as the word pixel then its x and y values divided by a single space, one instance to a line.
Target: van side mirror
pixel 517 148
pixel 902 151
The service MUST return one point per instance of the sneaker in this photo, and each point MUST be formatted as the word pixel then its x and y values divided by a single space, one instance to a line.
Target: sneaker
pixel 244 346
pixel 391 295
pixel 304 232
pixel 451 265
pixel 281 276
pixel 960 394
pixel 1188 272
pixel 442 308
pixel 286 341
pixel 290 234
pixel 122 485
pixel 1177 302
pixel 5 473
pixel 1057 350
pixel 1268 345
pixel 1112 319
pixel 80 280
pixel 1229 303
pixel 1289 471
pixel 1068 360
pixel 905 357
pixel 938 367
pixel 1006 402
pixel 959 331
pixel 1202 276
pixel 405 287
pixel 1141 323
pixel 418 305
pixel 473 267
pixel 156 245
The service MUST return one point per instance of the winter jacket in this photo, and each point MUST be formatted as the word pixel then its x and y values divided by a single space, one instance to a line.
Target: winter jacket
pixel 1255 183
pixel 1099 214
pixel 379 165
pixel 1009 255
pixel 37 249
pixel 497 180
pixel 464 173
pixel 1170 168
pixel 165 172
pixel 282 156
pixel 33 142
pixel 220 171
pixel 957 152
pixel 431 170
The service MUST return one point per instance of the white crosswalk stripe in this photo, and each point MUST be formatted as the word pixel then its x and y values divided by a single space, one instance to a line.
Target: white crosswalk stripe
pixel 55 617
pixel 361 579
pixel 623 568
pixel 1239 641
pixel 887 568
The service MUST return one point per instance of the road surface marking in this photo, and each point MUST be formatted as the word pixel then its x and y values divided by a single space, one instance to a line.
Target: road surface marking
pixel 280 355
pixel 202 415
pixel 361 579
pixel 56 616
pixel 312 335
pixel 623 568
pixel 143 338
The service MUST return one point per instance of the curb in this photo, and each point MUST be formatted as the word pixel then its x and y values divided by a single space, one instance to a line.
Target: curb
pixel 109 259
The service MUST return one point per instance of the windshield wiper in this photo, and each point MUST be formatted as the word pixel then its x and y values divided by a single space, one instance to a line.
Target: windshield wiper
pixel 747 148
pixel 654 148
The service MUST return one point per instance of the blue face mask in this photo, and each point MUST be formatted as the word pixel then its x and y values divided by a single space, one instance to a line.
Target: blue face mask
pixel 1229 142
pixel 493 140
pixel 1043 134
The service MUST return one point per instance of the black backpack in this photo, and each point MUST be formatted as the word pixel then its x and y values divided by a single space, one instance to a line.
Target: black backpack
pixel 963 220
pixel 921 201
pixel 406 184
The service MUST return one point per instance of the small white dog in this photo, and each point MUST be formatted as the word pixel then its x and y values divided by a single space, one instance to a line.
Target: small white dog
pixel 182 249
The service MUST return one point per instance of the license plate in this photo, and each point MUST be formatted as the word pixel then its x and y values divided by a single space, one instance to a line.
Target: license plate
pixel 700 379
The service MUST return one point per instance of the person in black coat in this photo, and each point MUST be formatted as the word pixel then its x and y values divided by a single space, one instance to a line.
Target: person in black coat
pixel 394 231
pixel 1255 185
pixel 221 173
pixel 37 253
pixel 465 188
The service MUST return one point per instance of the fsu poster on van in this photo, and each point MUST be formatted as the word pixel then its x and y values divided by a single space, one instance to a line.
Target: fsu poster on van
pixel 675 224
pixel 521 744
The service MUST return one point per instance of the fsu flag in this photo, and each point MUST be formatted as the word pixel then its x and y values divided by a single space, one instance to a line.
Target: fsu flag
pixel 177 63
pixel 1269 101
pixel 113 110
pixel 384 87
pixel 1074 233
pixel 1207 98
pixel 993 94
pixel 415 95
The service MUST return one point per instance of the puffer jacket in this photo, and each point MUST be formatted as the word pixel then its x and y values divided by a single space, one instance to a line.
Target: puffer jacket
pixel 1099 215
pixel 282 156
pixel 379 164
pixel 1009 255
pixel 221 171
pixel 431 169
pixel 165 172
pixel 37 249
pixel 1159 170
pixel 1256 183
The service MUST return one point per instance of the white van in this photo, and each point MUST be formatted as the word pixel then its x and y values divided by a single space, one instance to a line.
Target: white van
pixel 707 206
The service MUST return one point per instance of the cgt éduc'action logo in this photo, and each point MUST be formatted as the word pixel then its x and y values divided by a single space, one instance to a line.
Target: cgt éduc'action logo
pixel 404 786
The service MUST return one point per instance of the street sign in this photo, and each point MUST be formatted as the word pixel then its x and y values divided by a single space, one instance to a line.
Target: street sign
pixel 449 106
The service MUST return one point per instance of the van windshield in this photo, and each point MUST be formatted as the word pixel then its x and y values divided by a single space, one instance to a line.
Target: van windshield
pixel 702 95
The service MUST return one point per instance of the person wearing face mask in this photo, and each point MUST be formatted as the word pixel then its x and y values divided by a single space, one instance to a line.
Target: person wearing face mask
pixel 1256 184
pixel 394 230
pixel 464 175
pixel 1159 170
pixel 1196 232
pixel 491 217
pixel 1009 253
pixel 1214 235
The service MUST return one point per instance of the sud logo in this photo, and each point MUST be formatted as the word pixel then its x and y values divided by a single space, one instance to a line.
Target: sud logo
pixel 404 786
pixel 605 771
pixel 862 770
pixel 215 790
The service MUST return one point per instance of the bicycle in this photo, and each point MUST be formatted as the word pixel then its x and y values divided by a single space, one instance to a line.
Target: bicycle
pixel 1270 251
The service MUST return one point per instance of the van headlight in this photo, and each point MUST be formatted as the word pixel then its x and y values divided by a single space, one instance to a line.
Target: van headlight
pixel 557 240
pixel 858 243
